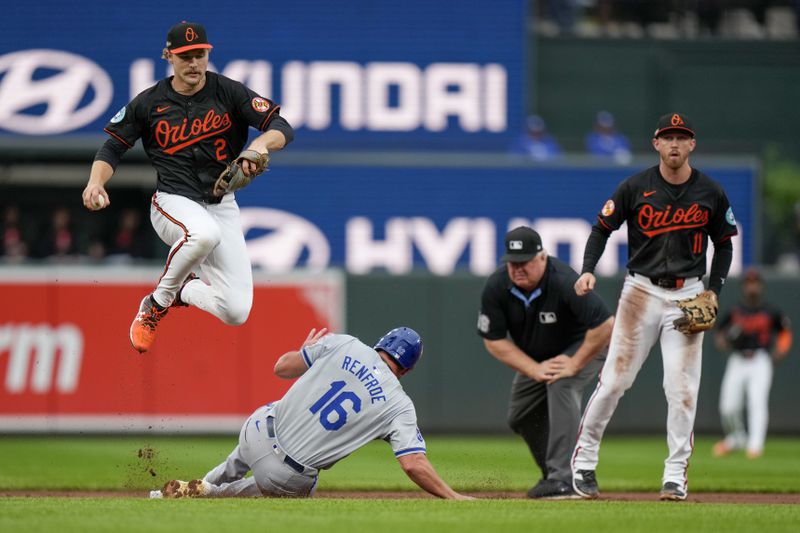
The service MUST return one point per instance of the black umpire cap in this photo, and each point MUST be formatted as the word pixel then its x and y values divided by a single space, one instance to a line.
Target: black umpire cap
pixel 674 122
pixel 187 36
pixel 522 244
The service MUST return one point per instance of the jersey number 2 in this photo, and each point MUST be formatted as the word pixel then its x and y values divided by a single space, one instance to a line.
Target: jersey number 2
pixel 330 406
pixel 220 144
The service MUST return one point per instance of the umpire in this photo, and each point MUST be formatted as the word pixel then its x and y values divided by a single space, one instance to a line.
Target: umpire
pixel 532 321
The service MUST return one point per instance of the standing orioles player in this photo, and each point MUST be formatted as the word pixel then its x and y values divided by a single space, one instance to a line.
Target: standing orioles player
pixel 671 210
pixel 192 125
pixel 756 334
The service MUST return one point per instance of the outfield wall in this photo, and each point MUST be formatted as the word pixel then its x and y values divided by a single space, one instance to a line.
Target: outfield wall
pixel 66 363
pixel 459 386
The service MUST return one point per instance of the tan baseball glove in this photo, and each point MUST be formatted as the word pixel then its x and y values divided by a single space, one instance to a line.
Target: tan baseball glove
pixel 699 313
pixel 233 177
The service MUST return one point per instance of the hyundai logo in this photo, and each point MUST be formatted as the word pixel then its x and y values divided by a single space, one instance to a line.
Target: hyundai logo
pixel 73 90
pixel 286 236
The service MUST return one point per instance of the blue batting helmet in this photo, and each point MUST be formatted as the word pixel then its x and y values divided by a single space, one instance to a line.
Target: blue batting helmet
pixel 403 345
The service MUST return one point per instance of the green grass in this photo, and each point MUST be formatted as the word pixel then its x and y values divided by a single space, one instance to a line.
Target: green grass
pixel 468 463
pixel 419 516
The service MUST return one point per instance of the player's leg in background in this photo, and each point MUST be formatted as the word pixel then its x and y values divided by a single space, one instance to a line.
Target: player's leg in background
pixel 682 357
pixel 758 385
pixel 731 405
pixel 636 328
pixel 564 399
pixel 229 293
pixel 527 417
pixel 191 233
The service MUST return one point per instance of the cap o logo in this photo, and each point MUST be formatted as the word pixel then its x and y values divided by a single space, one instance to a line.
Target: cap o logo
pixel 191 36
pixel 515 245
pixel 677 120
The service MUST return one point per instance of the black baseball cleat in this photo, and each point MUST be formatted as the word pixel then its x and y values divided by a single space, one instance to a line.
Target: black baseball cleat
pixel 672 492
pixel 178 302
pixel 553 489
pixel 585 484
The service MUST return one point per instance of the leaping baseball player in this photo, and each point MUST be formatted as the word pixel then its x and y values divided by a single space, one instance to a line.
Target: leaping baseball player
pixel 672 210
pixel 347 395
pixel 193 126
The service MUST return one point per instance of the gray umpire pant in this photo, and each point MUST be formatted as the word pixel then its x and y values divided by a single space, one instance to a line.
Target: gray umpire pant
pixel 547 416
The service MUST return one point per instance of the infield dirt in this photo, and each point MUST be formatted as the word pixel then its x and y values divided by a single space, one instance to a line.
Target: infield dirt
pixel 702 497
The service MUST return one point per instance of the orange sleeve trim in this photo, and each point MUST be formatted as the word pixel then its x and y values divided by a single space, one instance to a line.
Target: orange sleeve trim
pixel 728 237
pixel 269 116
pixel 783 342
pixel 600 220
pixel 126 143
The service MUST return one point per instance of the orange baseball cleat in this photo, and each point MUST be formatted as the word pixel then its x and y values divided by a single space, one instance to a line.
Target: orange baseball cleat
pixel 721 449
pixel 143 327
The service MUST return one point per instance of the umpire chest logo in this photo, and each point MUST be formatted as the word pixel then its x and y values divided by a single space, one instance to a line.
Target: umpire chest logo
pixel 548 317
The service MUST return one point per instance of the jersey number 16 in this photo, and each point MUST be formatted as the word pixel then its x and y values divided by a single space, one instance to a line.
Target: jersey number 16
pixel 330 405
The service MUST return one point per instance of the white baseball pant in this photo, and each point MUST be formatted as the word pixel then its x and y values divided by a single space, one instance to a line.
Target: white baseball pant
pixel 750 377
pixel 208 235
pixel 644 314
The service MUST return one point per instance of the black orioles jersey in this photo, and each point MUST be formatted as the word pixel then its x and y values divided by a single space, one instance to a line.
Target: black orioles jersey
pixel 669 225
pixel 190 139
pixel 753 328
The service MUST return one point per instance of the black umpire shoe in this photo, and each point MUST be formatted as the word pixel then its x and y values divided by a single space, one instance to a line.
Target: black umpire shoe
pixel 585 484
pixel 672 492
pixel 552 489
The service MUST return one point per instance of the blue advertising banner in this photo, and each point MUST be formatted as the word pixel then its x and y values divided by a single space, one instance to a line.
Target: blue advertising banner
pixel 362 73
pixel 444 219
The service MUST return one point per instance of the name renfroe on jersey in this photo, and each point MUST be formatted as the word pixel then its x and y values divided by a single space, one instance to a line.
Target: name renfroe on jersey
pixel 368 377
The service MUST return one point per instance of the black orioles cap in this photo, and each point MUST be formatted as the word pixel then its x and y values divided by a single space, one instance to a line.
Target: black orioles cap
pixel 187 36
pixel 674 122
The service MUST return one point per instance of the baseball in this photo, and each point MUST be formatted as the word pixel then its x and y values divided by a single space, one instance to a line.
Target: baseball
pixel 99 202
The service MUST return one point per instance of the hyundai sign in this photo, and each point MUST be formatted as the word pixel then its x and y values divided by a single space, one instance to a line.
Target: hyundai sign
pixel 444 218
pixel 362 73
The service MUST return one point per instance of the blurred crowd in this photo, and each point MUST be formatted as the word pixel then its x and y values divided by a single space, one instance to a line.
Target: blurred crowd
pixel 604 141
pixel 668 19
pixel 61 235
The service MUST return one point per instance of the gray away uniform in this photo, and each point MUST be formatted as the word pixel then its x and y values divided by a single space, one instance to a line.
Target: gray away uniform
pixel 347 398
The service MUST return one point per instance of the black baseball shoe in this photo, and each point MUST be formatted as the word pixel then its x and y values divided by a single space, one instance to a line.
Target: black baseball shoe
pixel 552 489
pixel 178 302
pixel 672 492
pixel 585 484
